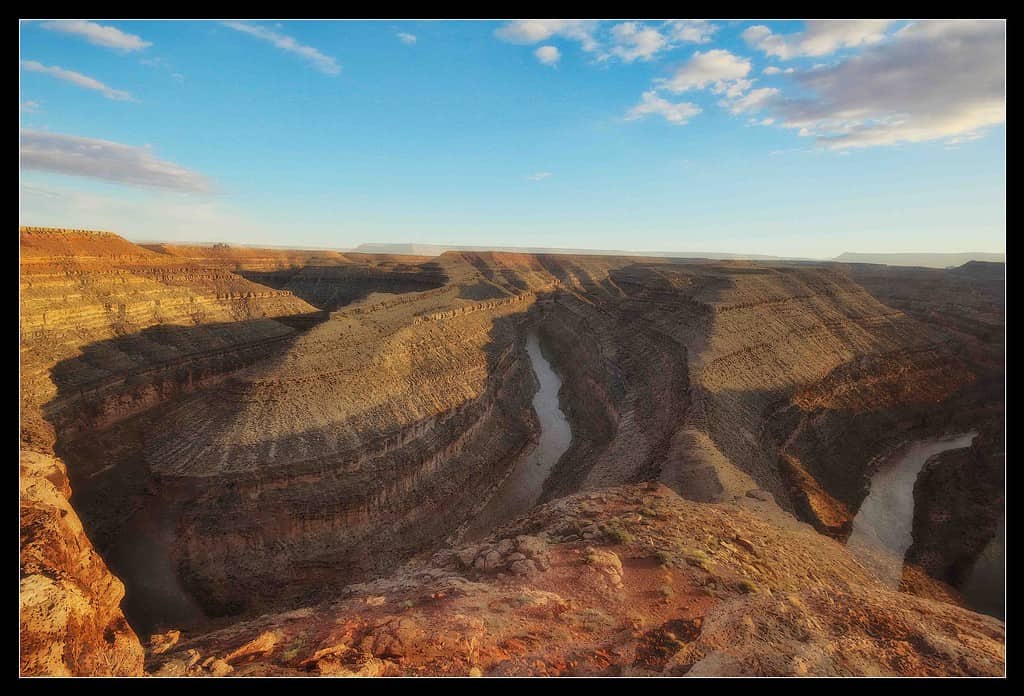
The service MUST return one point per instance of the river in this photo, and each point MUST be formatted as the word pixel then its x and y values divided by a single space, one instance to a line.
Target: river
pixel 524 486
pixel 883 528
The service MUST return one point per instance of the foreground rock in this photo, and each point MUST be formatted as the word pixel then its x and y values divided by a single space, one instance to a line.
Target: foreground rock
pixel 662 586
pixel 71 622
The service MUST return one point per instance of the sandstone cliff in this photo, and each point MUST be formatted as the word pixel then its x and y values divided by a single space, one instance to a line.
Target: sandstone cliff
pixel 70 620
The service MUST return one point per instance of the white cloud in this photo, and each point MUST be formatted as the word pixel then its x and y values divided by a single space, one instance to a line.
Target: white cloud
pixel 625 41
pixel 819 38
pixel 932 80
pixel 651 104
pixel 548 55
pixel 99 35
pixel 324 63
pixel 712 68
pixel 535 31
pixel 691 30
pixel 539 176
pixel 632 41
pixel 406 38
pixel 103 159
pixel 733 89
pixel 772 70
pixel 754 100
pixel 76 78
pixel 29 107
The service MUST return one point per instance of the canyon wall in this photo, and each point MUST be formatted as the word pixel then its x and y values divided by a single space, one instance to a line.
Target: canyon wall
pixel 280 424
pixel 78 289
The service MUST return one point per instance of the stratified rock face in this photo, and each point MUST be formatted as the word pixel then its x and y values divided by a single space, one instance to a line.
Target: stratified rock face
pixel 70 620
pixel 624 581
pixel 367 438
pixel 326 279
pixel 723 377
pixel 78 289
pixel 83 290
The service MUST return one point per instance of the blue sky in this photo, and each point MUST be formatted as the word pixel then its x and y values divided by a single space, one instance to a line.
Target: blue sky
pixel 667 136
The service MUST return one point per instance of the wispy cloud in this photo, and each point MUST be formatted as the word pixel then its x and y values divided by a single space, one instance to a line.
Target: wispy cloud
pixel 103 159
pixel 322 62
pixel 651 104
pixel 539 176
pixel 78 79
pixel 99 35
pixel 548 55
pixel 29 107
pixel 691 30
pixel 406 38
pixel 819 38
pixel 753 100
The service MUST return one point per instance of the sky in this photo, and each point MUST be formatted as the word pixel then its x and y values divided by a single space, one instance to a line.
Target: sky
pixel 803 139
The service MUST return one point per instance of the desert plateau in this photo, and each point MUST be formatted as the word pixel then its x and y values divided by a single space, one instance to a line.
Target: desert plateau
pixel 245 461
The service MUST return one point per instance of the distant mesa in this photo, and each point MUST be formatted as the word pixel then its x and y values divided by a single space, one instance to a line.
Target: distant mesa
pixel 438 249
pixel 923 260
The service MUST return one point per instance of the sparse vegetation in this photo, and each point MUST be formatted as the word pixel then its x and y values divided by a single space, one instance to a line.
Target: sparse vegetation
pixel 616 532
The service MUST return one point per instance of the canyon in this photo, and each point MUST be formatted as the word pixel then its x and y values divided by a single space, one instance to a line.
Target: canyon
pixel 264 461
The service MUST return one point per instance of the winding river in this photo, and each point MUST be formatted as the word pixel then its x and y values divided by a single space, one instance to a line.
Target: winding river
pixel 523 487
pixel 883 527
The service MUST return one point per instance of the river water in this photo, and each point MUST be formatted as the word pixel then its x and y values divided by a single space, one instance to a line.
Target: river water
pixel 523 487
pixel 883 527
pixel 884 524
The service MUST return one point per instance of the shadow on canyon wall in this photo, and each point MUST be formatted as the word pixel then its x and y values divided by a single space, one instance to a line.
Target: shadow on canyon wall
pixel 103 420
pixel 124 403
pixel 332 287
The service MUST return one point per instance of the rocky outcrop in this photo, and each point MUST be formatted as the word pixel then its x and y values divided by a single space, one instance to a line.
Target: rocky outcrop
pixel 626 581
pixel 71 623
